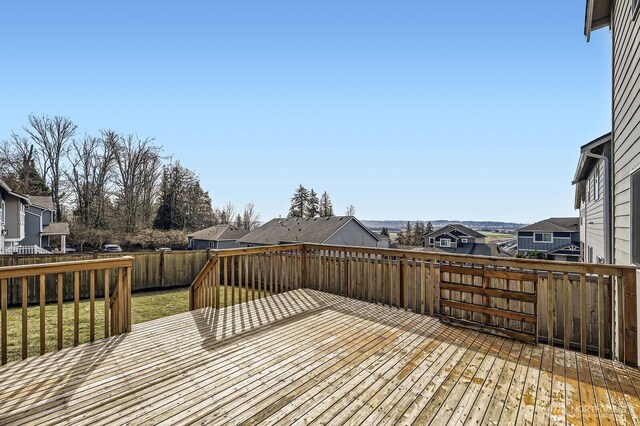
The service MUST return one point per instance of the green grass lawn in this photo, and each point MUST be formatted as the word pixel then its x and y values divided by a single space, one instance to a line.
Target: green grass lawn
pixel 144 307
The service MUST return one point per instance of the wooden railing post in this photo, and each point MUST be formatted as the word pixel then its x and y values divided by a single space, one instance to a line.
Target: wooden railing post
pixel 630 317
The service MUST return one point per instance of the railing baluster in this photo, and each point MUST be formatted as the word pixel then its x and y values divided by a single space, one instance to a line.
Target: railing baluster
pixel 76 308
pixel 42 315
pixel 225 280
pixel 3 320
pixel 233 280
pixel 423 286
pixel 107 283
pixel 240 279
pixel 550 325
pixel 567 327
pixel 601 315
pixel 25 301
pixel 92 312
pixel 583 314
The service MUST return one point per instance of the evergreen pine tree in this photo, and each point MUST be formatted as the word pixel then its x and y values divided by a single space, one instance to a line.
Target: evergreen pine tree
pixel 313 206
pixel 299 202
pixel 385 231
pixel 326 208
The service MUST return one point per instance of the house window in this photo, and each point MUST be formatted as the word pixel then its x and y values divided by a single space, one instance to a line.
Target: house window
pixel 445 242
pixel 543 237
pixel 432 241
pixel 596 184
pixel 464 240
pixel 635 217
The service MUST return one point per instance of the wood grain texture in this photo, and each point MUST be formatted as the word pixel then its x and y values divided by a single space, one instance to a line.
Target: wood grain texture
pixel 309 357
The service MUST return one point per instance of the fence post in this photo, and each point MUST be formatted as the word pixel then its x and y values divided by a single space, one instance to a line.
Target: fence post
pixel 630 317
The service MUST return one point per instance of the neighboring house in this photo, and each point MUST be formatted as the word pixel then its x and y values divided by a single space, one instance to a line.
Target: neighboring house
pixel 622 245
pixel 594 199
pixel 473 249
pixel 557 237
pixel 336 230
pixel 216 237
pixel 459 239
pixel 13 207
pixel 453 236
pixel 40 224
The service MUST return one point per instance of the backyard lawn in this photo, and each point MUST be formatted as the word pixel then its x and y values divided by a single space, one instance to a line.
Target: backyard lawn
pixel 144 307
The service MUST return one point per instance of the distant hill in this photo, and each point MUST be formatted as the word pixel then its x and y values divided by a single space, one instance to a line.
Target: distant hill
pixel 397 225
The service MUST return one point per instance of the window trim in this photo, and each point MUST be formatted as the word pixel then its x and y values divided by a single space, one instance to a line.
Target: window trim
pixel 596 184
pixel 432 241
pixel 535 240
pixel 448 240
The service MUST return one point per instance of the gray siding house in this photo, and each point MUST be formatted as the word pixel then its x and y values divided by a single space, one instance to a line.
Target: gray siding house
pixel 337 230
pixel 13 206
pixel 216 237
pixel 40 224
pixel 459 239
pixel 623 18
pixel 557 237
pixel 593 199
pixel 453 236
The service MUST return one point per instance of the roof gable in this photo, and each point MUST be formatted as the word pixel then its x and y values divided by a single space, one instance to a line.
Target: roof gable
pixel 555 224
pixel 297 230
pixel 457 227
pixel 218 233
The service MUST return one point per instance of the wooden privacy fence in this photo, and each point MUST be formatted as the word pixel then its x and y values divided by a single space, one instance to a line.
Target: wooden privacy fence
pixel 236 275
pixel 587 307
pixel 151 271
pixel 113 276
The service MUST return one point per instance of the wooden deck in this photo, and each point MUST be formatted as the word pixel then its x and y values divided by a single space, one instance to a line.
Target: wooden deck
pixel 307 357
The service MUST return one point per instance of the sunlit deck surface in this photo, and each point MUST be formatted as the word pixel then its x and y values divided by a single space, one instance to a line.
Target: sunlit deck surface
pixel 310 357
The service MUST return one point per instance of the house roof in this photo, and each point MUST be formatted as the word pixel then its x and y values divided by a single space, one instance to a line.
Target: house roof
pixel 475 249
pixel 218 233
pixel 56 228
pixel 22 197
pixel 297 230
pixel 555 224
pixel 42 202
pixel 597 15
pixel 459 227
pixel 586 164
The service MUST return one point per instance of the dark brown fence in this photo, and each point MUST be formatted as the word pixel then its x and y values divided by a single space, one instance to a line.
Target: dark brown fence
pixel 151 271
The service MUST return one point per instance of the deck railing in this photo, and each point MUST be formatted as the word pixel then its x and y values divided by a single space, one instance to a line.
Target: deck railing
pixel 113 274
pixel 236 275
pixel 587 307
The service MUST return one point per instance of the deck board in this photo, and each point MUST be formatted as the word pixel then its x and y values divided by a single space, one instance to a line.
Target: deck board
pixel 308 357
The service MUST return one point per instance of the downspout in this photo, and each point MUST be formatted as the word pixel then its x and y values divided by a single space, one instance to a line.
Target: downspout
pixel 608 252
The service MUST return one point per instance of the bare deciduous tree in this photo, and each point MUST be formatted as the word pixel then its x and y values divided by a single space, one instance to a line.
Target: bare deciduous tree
pixel 92 161
pixel 138 169
pixel 250 217
pixel 52 136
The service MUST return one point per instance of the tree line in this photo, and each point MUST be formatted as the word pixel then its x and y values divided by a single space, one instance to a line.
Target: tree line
pixel 306 204
pixel 414 235
pixel 110 182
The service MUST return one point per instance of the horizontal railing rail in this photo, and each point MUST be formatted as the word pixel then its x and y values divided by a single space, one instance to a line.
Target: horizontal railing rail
pixel 40 279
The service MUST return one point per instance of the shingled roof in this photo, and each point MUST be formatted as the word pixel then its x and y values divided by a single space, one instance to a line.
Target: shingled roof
pixel 555 224
pixel 42 202
pixel 475 249
pixel 297 230
pixel 456 226
pixel 219 233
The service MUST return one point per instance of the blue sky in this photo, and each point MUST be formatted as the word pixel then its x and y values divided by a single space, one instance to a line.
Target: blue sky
pixel 408 110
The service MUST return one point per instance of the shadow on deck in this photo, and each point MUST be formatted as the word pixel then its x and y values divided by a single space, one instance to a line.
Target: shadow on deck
pixel 306 356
